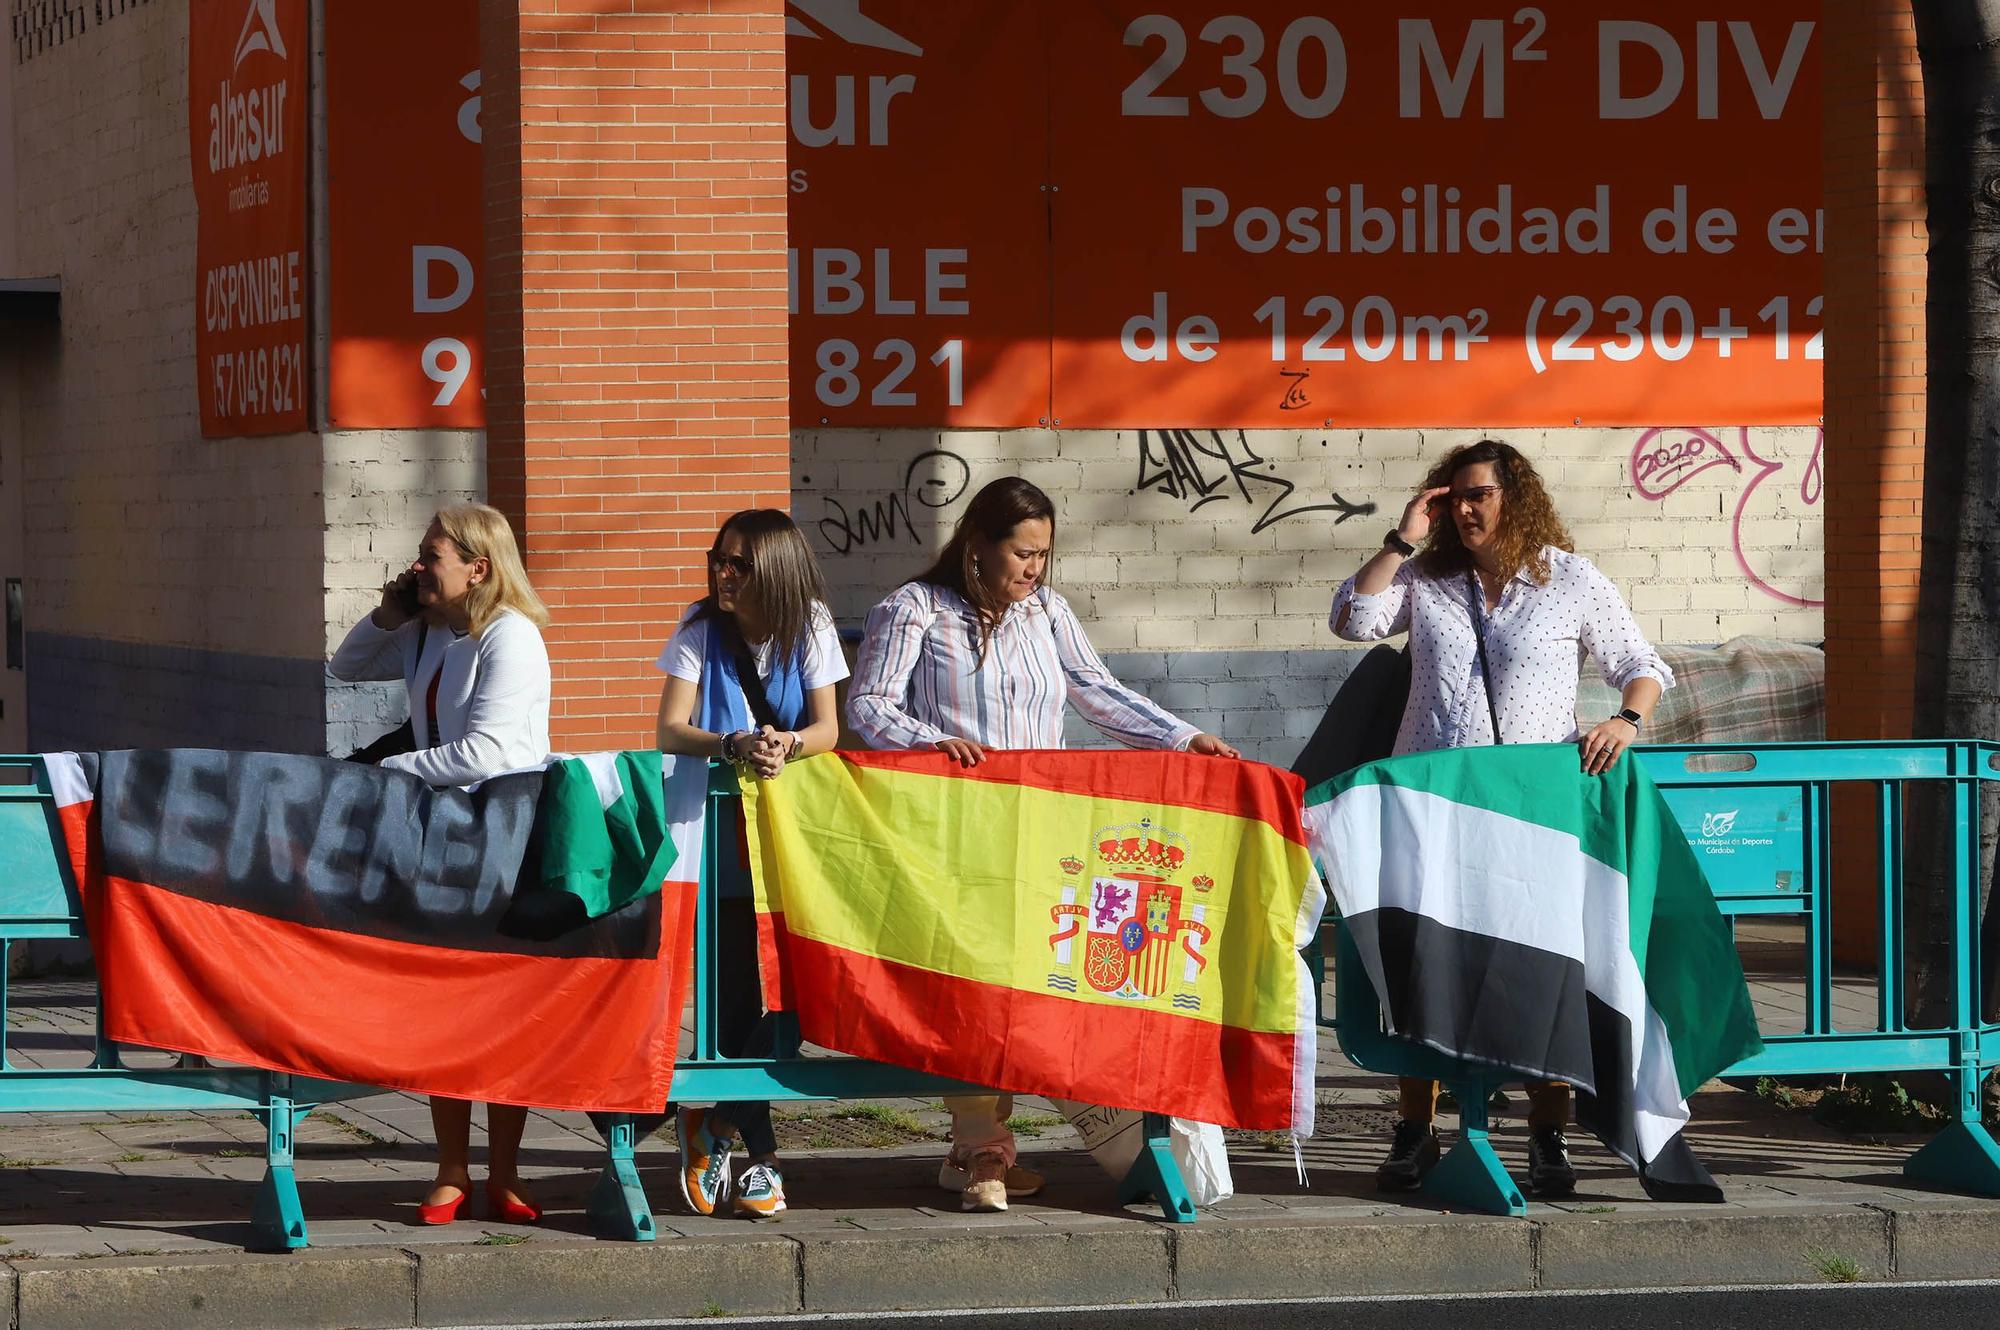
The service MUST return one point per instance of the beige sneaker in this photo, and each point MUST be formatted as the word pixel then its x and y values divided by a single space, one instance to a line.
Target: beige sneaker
pixel 986 1188
pixel 953 1175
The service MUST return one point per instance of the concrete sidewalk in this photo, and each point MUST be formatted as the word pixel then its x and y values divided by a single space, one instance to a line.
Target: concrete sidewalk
pixel 139 1220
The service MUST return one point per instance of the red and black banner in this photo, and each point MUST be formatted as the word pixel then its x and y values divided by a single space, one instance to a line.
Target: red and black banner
pixel 344 922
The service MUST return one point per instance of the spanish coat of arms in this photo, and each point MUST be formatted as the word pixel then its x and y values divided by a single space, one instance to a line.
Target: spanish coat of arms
pixel 1142 931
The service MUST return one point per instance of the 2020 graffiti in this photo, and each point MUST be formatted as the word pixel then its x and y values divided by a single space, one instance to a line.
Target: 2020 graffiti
pixel 1668 456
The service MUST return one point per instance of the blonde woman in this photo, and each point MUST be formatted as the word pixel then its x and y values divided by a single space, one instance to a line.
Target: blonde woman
pixel 750 675
pixel 461 627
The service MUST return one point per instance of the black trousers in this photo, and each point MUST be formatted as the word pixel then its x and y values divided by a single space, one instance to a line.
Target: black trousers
pixel 744 1028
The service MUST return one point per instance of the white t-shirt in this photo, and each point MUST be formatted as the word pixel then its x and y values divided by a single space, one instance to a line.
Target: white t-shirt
pixel 824 664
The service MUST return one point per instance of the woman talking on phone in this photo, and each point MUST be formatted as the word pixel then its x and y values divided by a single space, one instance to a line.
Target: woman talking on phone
pixel 461 627
pixel 1500 613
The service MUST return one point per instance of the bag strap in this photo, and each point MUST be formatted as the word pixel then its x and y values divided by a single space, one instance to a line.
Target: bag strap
pixel 1479 635
pixel 746 672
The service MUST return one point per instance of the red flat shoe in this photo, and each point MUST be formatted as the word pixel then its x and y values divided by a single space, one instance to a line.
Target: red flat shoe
pixel 443 1212
pixel 510 1211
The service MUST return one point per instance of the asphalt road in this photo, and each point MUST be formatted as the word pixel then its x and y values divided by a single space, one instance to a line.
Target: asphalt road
pixel 1783 1307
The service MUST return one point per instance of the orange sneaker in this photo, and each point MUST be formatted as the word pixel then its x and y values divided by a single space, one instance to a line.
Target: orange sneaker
pixel 704 1160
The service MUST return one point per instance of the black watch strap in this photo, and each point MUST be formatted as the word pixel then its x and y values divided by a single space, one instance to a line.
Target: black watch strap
pixel 1394 540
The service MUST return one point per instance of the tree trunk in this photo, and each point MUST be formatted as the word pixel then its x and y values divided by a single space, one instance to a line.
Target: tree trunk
pixel 1958 605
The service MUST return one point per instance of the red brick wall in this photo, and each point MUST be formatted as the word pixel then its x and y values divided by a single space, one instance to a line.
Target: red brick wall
pixel 1875 262
pixel 635 209
pixel 1874 462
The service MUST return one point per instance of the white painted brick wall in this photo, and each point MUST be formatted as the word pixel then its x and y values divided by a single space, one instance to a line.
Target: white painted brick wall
pixel 1686 561
pixel 1213 574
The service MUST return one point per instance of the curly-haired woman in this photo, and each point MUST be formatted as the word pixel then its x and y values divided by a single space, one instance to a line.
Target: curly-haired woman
pixel 1500 613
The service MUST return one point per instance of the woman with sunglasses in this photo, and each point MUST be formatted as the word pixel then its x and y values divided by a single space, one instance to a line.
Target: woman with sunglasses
pixel 1500 612
pixel 977 652
pixel 750 675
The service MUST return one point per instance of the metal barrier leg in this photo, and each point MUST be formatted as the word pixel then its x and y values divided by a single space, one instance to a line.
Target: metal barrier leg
pixel 277 1220
pixel 618 1207
pixel 1156 1174
pixel 1471 1176
pixel 1962 1157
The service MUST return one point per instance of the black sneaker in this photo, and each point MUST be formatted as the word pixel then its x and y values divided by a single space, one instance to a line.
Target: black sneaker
pixel 1549 1169
pixel 1412 1153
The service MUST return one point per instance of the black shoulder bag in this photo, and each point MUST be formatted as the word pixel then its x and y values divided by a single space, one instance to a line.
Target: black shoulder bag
pixel 1479 635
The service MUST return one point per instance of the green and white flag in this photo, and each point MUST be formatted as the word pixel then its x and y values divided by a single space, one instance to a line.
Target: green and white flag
pixel 610 828
pixel 1515 912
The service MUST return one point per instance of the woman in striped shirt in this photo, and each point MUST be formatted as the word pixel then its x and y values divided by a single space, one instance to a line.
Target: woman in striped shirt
pixel 977 652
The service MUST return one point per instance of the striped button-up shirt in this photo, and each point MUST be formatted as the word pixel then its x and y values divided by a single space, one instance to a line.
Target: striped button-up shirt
pixel 918 678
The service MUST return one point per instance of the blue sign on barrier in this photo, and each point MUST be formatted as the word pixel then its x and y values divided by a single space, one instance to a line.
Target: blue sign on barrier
pixel 1751 842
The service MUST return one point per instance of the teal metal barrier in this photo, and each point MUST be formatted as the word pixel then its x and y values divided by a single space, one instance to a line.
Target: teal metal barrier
pixel 619 1204
pixel 1759 817
pixel 39 899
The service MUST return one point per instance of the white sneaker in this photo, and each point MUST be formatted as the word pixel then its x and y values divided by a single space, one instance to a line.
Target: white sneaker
pixel 986 1191
pixel 954 1176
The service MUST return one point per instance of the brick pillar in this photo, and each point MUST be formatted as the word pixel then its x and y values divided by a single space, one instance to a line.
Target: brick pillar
pixel 636 356
pixel 1876 242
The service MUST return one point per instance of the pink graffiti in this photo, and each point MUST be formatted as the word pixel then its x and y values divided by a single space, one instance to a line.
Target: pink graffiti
pixel 1665 459
pixel 1668 457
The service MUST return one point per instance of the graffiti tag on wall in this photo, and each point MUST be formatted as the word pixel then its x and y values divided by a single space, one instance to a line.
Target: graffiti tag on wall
pixel 934 479
pixel 1200 467
pixel 1667 457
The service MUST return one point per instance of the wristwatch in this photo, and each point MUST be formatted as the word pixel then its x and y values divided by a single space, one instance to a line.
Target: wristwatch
pixel 1631 717
pixel 1394 540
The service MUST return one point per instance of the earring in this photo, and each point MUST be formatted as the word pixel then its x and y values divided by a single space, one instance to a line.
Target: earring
pixel 975 565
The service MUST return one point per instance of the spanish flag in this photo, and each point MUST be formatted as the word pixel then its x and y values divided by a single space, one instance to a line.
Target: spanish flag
pixel 1116 927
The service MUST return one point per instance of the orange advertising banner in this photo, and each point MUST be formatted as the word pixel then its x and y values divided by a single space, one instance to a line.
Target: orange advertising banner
pixel 919 213
pixel 1165 213
pixel 247 146
pixel 1410 214
pixel 405 309
pixel 1435 214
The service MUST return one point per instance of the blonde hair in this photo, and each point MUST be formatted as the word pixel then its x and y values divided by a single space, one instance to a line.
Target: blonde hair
pixel 483 532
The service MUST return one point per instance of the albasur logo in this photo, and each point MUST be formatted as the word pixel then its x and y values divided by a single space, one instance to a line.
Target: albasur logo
pixel 844 19
pixel 248 125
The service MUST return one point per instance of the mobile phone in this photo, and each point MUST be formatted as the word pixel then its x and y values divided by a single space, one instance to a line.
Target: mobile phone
pixel 406 597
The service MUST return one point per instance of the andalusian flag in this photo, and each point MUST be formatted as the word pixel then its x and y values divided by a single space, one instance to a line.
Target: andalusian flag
pixel 353 924
pixel 1513 911
pixel 1121 928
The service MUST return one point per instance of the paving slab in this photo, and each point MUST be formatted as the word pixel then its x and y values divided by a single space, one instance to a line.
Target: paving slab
pixel 1283 1257
pixel 540 1282
pixel 302 1291
pixel 995 1267
pixel 1692 1245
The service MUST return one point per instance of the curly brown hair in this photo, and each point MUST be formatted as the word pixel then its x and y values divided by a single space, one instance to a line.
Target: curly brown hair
pixel 1529 523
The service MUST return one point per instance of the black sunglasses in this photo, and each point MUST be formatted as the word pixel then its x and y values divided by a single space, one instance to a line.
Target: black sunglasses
pixel 735 563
